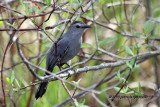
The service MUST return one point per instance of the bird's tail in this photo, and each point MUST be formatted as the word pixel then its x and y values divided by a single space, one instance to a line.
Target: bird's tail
pixel 41 90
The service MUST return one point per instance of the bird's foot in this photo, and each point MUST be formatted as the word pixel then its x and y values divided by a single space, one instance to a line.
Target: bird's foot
pixel 69 75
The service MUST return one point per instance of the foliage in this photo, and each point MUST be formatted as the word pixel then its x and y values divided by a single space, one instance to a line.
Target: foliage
pixel 120 51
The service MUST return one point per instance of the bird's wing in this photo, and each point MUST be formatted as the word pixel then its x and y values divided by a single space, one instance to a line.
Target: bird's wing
pixel 52 56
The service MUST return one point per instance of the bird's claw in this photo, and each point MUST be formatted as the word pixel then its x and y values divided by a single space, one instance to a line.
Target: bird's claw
pixel 69 75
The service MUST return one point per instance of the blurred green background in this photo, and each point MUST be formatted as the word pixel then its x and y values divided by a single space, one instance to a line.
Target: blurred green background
pixel 111 13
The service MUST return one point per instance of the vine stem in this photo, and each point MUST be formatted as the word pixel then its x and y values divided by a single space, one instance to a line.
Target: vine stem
pixel 4 55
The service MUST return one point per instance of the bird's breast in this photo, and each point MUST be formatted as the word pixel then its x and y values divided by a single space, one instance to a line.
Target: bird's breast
pixel 74 47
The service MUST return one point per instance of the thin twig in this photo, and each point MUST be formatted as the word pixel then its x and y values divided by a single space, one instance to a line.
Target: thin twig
pixel 99 101
pixel 3 90
pixel 67 91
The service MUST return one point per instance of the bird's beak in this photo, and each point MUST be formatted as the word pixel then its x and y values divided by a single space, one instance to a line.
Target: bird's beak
pixel 86 26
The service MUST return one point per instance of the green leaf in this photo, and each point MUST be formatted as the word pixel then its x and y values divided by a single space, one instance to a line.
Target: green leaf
pixel 140 35
pixel 139 44
pixel 135 49
pixel 15 89
pixel 23 6
pixel 106 41
pixel 126 88
pixel 12 77
pixel 117 89
pixel 154 37
pixel 76 103
pixel 70 1
pixel 148 27
pixel 118 74
pixel 48 2
pixel 102 2
pixel 137 34
pixel 33 9
pixel 8 80
pixel 123 79
pixel 137 65
pixel 76 83
pixel 139 87
pixel 78 17
pixel 82 104
pixel 9 24
pixel 139 94
pixel 83 101
pixel 128 50
pixel 17 83
pixel 156 12
pixel 132 62
pixel 44 26
pixel 128 64
pixel 86 45
pixel 42 9
pixel 26 8
pixel 99 52
pixel 130 92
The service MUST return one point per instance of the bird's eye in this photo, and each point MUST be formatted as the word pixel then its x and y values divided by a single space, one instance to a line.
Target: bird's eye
pixel 77 26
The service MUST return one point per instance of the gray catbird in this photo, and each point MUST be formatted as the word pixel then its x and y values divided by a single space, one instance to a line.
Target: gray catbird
pixel 63 50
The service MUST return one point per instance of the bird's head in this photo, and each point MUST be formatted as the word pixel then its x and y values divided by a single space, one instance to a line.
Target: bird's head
pixel 76 29
pixel 79 25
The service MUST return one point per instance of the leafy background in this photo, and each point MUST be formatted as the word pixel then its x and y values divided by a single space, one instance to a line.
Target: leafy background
pixel 139 18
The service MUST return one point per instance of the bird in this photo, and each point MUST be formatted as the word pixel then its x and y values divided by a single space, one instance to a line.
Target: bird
pixel 63 50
